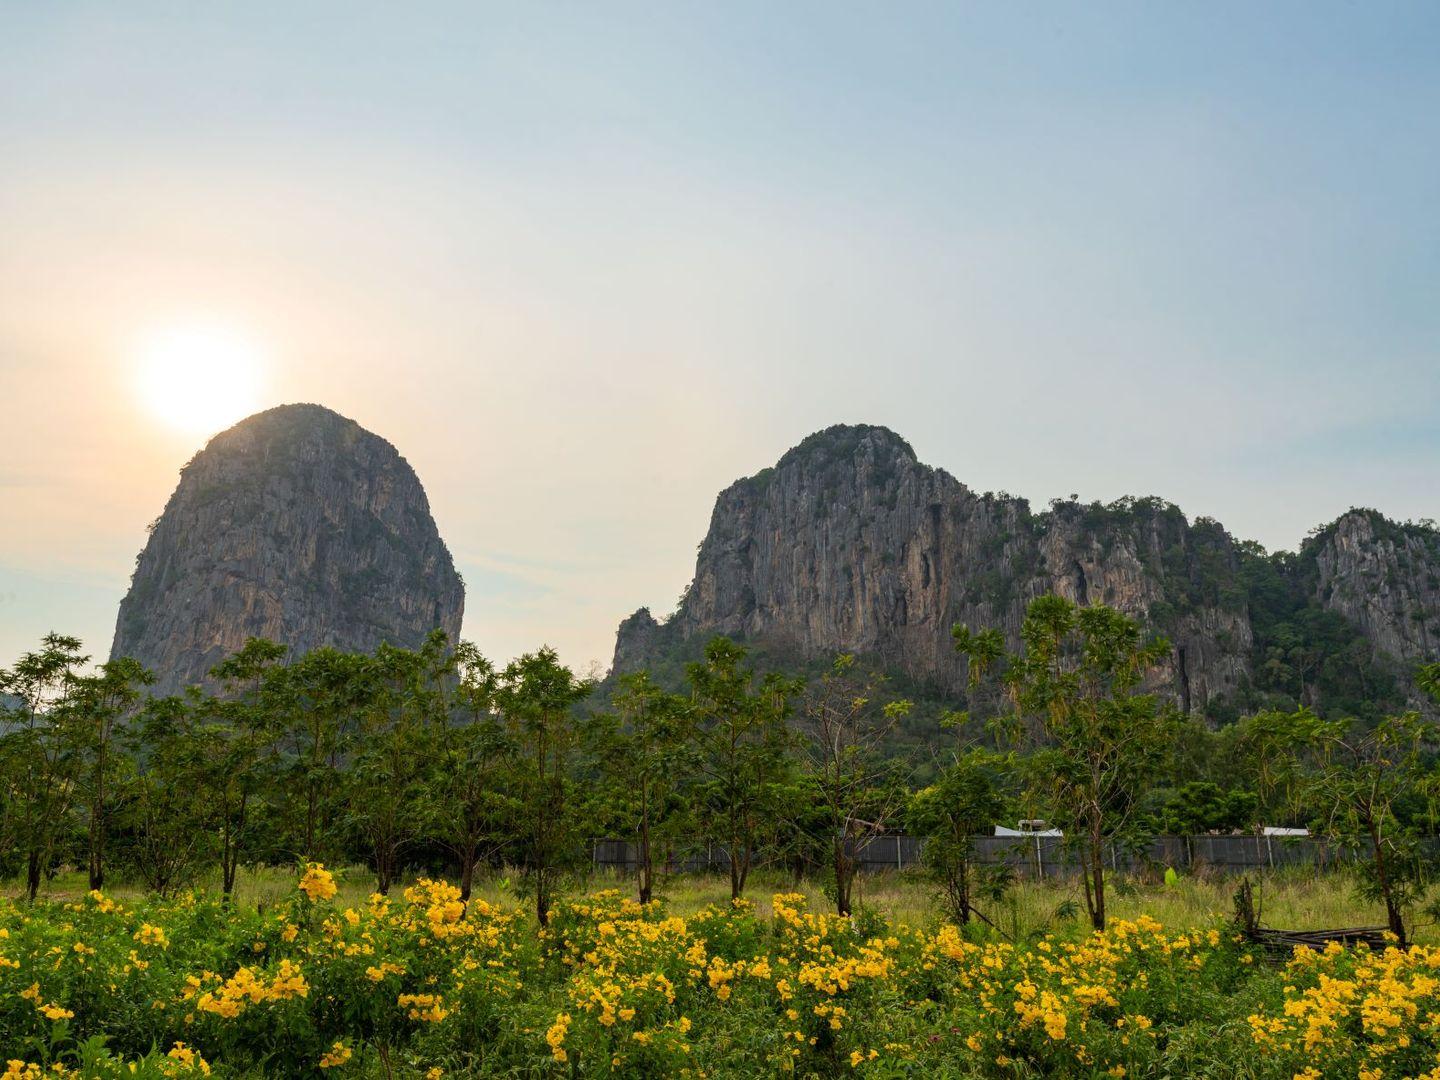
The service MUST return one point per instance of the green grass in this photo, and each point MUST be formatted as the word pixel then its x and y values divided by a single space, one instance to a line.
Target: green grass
pixel 1288 898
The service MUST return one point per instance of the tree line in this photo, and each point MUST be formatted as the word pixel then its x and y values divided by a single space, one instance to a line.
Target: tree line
pixel 437 758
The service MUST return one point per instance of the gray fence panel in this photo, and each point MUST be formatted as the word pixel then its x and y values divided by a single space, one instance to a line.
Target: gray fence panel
pixel 1028 856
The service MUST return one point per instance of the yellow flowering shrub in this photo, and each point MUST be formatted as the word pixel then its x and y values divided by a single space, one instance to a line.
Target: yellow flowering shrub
pixel 422 984
pixel 1354 1011
pixel 318 883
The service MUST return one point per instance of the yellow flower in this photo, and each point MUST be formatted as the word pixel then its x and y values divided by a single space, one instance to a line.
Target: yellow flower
pixel 188 1058
pixel 427 1007
pixel 556 1036
pixel 337 1055
pixel 318 884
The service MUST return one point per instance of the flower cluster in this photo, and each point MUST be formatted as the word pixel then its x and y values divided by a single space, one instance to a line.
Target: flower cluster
pixel 426 984
pixel 1366 1014
pixel 318 883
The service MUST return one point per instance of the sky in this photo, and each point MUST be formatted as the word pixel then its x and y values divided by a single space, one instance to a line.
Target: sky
pixel 585 265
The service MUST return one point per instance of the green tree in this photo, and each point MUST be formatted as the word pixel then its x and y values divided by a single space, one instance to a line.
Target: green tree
pixel 1355 777
pixel 171 816
pixel 1201 806
pixel 647 756
pixel 397 702
pixel 845 730
pixel 316 700
pixel 537 697
pixel 39 750
pixel 242 750
pixel 964 802
pixel 469 809
pixel 744 741
pixel 1075 691
pixel 97 704
pixel 1427 678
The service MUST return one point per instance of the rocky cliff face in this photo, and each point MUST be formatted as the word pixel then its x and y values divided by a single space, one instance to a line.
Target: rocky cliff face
pixel 1384 578
pixel 297 525
pixel 851 544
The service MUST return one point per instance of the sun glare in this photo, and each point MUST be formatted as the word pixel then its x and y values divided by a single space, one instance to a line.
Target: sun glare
pixel 200 379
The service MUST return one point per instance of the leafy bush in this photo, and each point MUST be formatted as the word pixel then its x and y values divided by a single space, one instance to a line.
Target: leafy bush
pixel 426 986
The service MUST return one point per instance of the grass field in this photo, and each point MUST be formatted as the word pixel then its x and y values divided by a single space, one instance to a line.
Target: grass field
pixel 312 976
pixel 1295 898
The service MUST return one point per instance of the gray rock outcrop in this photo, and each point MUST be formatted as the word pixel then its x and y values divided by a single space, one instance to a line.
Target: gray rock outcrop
pixel 297 525
pixel 1385 578
pixel 852 544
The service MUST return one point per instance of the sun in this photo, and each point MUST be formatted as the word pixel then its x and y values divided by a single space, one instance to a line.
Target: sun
pixel 200 378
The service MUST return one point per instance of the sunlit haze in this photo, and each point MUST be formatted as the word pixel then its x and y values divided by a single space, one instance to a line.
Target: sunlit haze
pixel 199 378
pixel 586 265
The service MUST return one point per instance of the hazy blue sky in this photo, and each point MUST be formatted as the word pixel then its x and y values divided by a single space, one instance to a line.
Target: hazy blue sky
pixel 586 264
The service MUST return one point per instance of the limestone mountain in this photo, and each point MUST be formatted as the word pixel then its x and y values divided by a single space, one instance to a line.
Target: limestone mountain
pixel 298 525
pixel 849 543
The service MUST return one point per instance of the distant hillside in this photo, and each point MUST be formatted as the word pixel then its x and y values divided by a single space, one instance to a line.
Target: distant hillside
pixel 295 524
pixel 850 544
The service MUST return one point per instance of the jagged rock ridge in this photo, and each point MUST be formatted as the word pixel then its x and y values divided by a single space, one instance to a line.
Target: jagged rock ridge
pixel 298 525
pixel 851 544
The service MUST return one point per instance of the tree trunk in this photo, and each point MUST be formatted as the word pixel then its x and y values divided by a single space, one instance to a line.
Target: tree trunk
pixel 646 870
pixel 97 864
pixel 542 900
pixel 384 867
pixel 310 822
pixel 230 848
pixel 32 875
pixel 1382 878
pixel 1089 885
pixel 97 824
pixel 1396 920
pixel 843 875
pixel 962 893
pixel 467 873
pixel 739 869
pixel 1097 870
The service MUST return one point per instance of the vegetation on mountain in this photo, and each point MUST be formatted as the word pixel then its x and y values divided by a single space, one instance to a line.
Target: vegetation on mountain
pixel 849 544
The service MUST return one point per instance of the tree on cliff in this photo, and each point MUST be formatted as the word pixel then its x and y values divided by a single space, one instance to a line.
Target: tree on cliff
pixel 1073 691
